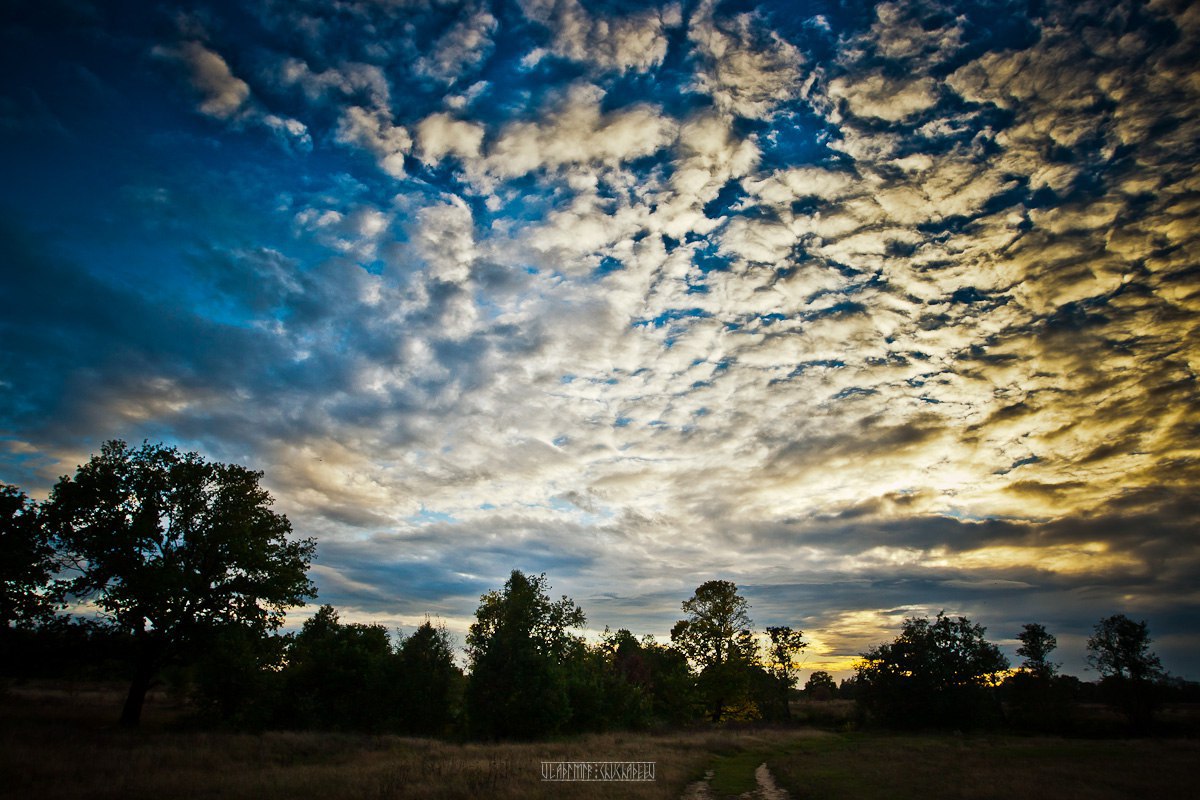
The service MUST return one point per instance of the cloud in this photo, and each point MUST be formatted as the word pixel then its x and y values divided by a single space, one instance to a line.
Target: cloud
pixel 440 135
pixel 884 98
pixel 577 131
pixel 374 131
pixel 463 47
pixel 747 70
pixel 348 79
pixel 636 41
pixel 225 96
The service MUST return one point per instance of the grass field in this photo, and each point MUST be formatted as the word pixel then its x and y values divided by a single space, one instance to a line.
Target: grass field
pixel 982 767
pixel 61 743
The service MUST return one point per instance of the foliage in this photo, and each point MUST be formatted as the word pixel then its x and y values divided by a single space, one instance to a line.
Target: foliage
pixel 26 561
pixel 673 697
pixel 1037 698
pixel 611 685
pixel 517 649
pixel 236 678
pixel 67 648
pixel 820 686
pixel 431 684
pixel 172 547
pixel 935 673
pixel 340 676
pixel 716 638
pixel 1036 646
pixel 783 663
pixel 1119 650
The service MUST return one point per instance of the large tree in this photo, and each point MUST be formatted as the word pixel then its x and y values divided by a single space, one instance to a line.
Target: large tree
pixel 518 650
pixel 715 637
pixel 341 676
pixel 26 561
pixel 171 548
pixel 432 682
pixel 783 661
pixel 936 672
pixel 1119 650
pixel 1037 698
pixel 820 686
pixel 1036 646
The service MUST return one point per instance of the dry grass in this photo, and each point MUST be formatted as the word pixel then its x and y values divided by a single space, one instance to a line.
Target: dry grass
pixel 60 742
pixel 54 749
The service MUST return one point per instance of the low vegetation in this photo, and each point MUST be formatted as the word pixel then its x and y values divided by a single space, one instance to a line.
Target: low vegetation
pixel 59 741
pixel 870 766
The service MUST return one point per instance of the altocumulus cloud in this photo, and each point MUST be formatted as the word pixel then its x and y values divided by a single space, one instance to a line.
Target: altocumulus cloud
pixel 876 311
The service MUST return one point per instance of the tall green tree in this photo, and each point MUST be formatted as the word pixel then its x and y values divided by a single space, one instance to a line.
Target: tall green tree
pixel 936 673
pixel 518 650
pixel 26 561
pixel 170 546
pixel 340 676
pixel 673 697
pixel 431 683
pixel 783 662
pixel 715 637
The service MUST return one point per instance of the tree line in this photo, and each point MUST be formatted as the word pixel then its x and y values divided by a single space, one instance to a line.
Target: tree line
pixel 192 573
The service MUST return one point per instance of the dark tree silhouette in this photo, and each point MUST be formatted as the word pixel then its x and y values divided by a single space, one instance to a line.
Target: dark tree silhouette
pixel 26 561
pixel 820 686
pixel 935 673
pixel 518 648
pixel 170 547
pixel 716 638
pixel 1038 699
pixel 1035 649
pixel 340 676
pixel 672 690
pixel 783 661
pixel 632 679
pixel 431 683
pixel 1119 650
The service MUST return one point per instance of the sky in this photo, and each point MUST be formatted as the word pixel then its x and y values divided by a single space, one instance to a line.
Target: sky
pixel 875 309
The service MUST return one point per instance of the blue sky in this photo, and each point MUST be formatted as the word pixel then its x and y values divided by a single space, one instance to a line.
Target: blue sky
pixel 874 309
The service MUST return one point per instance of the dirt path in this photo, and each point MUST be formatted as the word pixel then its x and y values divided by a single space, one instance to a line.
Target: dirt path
pixel 700 790
pixel 767 788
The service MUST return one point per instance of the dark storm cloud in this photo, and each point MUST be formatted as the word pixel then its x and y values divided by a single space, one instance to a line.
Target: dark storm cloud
pixel 85 358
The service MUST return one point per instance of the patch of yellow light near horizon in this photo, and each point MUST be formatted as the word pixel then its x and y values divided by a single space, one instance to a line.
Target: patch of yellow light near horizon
pixel 836 647
pixel 843 666
pixel 1064 559
pixel 820 655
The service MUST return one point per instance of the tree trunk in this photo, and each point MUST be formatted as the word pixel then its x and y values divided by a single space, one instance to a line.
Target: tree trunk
pixel 143 673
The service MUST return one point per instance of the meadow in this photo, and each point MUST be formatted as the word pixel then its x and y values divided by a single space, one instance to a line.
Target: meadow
pixel 61 742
